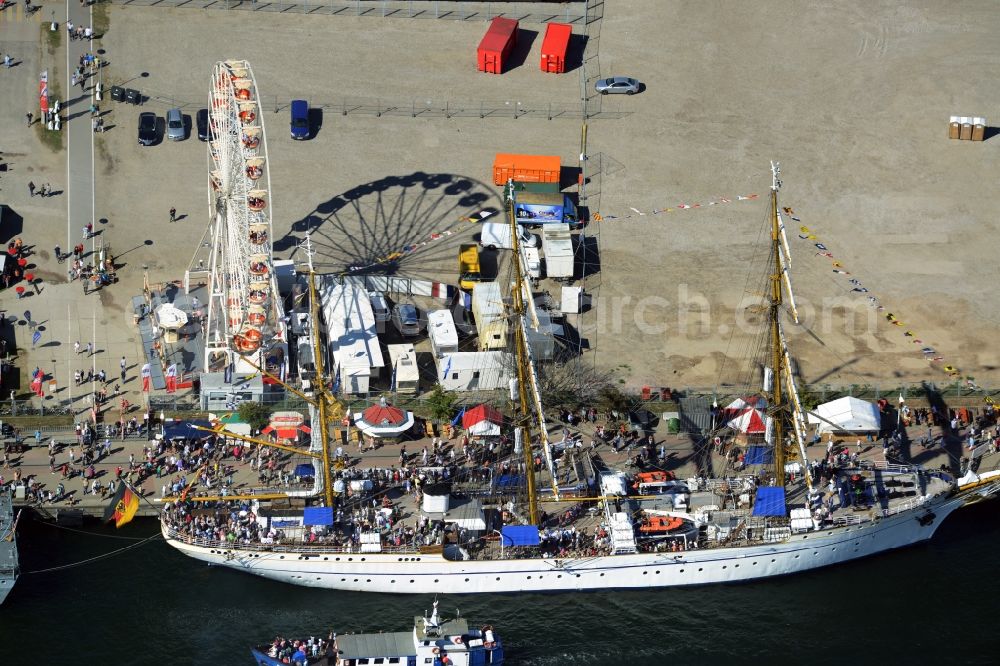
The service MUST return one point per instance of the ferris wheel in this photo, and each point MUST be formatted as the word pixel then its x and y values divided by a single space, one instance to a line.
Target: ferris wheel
pixel 245 318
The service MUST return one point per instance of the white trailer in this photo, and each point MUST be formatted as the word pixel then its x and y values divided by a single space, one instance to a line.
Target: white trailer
pixel 491 322
pixel 557 244
pixel 496 235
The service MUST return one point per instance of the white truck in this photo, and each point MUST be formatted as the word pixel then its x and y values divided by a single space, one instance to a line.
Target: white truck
pixel 496 235
pixel 531 260
pixel 557 245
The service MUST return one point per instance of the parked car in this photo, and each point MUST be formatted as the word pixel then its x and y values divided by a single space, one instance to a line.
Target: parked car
pixel 617 84
pixel 202 122
pixel 175 125
pixel 404 318
pixel 147 128
pixel 300 119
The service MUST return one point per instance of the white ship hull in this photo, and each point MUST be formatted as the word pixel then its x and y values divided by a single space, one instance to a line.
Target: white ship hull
pixel 426 574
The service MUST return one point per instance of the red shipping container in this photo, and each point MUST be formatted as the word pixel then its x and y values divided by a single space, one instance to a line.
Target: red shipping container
pixel 554 47
pixel 497 44
pixel 525 168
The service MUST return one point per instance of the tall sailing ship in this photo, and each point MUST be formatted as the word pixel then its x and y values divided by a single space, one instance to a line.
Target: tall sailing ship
pixel 743 525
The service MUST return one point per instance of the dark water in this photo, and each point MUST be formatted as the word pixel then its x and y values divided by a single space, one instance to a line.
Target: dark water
pixel 933 603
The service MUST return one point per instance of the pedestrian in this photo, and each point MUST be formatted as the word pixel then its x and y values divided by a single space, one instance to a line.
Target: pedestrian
pixel 88 32
pixel 76 346
pixel 90 348
pixel 7 60
pixel 94 124
pixel 31 188
pixel 69 28
pixel 72 80
pixel 82 81
pixel 173 214
pixel 94 110
pixel 44 190
pixel 88 229
pixel 58 252
pixel 29 117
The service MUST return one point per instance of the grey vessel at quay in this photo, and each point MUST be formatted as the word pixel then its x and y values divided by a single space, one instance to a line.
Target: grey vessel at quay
pixel 8 547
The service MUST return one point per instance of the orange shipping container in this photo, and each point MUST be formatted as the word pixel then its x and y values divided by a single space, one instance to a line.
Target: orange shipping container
pixel 525 168
pixel 554 47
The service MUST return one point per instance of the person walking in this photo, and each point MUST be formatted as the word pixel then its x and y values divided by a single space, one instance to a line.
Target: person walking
pixel 31 188
pixel 123 365
pixel 173 214
pixel 28 116
pixel 58 252
pixel 76 346
pixel 7 61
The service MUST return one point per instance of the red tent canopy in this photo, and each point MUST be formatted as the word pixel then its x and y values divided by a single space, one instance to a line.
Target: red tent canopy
pixel 481 413
pixel 378 415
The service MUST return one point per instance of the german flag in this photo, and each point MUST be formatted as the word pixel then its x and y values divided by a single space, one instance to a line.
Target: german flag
pixel 123 505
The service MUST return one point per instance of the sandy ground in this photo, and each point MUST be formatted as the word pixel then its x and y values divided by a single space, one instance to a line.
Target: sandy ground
pixel 852 99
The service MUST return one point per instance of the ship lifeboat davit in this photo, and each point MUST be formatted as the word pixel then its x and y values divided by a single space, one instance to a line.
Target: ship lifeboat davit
pixel 256 316
pixel 248 340
pixel 660 524
pixel 256 200
pixel 258 234
pixel 259 267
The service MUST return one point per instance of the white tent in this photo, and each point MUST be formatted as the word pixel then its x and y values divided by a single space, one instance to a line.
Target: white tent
pixel 848 414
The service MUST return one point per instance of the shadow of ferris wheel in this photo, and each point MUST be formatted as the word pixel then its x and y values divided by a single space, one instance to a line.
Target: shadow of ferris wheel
pixel 406 226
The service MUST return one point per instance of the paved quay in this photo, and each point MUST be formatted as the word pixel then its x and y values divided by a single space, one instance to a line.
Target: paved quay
pixel 683 455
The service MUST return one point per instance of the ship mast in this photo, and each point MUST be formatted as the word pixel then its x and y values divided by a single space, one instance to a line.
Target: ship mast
pixel 776 348
pixel 523 371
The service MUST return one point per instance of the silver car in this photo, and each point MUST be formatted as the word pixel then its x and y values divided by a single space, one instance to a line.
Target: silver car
pixel 175 125
pixel 617 84
pixel 404 317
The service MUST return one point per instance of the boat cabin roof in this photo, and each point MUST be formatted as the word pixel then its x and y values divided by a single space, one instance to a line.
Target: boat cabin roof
pixel 391 644
pixel 457 627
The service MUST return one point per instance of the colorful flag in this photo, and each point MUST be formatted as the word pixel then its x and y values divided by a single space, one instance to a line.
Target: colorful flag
pixel 172 378
pixel 43 96
pixel 447 369
pixel 146 375
pixel 123 505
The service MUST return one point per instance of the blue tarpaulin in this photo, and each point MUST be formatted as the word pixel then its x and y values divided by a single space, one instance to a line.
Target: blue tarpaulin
pixel 770 501
pixel 759 455
pixel 318 515
pixel 520 535
pixel 508 481
pixel 186 430
pixel 304 469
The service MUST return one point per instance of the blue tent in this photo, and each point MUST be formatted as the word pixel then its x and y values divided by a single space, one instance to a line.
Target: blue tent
pixel 770 501
pixel 186 430
pixel 759 455
pixel 304 469
pixel 318 515
pixel 520 535
pixel 509 481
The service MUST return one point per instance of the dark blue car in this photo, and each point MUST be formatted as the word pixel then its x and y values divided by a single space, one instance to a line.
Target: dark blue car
pixel 300 119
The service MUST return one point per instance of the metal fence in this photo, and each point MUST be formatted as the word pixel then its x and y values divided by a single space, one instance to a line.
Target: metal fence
pixel 595 109
pixel 576 13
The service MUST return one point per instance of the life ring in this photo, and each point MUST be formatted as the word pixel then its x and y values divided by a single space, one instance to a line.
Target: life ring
pixel 457 640
pixel 717 440
pixel 436 650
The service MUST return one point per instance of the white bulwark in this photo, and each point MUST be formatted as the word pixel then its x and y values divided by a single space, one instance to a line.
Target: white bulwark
pixel 354 346
pixel 405 373
pixel 474 371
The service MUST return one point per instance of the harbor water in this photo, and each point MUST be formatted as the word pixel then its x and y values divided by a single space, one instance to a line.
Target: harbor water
pixel 932 603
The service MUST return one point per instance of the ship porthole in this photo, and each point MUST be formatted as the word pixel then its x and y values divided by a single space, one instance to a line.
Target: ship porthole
pixel 466 580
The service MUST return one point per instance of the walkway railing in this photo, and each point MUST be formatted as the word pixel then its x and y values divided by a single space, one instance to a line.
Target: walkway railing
pixel 576 13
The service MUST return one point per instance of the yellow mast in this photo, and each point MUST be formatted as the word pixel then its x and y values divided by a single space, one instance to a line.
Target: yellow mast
pixel 520 343
pixel 776 346
pixel 324 433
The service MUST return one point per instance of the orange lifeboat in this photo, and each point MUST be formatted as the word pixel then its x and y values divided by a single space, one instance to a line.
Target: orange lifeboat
pixel 658 524
pixel 654 477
